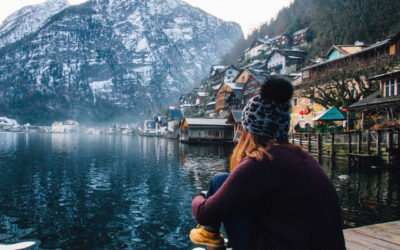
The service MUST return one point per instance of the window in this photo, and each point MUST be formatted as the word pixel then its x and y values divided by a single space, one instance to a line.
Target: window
pixel 295 102
pixel 392 86
pixel 387 89
pixel 243 78
pixel 398 86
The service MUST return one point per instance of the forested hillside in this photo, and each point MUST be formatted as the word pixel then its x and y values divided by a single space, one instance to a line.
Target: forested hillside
pixel 331 21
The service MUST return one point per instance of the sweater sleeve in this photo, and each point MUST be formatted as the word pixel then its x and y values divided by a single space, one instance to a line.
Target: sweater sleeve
pixel 249 182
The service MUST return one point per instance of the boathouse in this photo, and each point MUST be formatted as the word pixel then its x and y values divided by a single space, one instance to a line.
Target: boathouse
pixel 205 130
pixel 235 119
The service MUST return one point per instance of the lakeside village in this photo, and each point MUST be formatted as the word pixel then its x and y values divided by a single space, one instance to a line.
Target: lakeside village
pixel 343 77
pixel 353 92
pixel 347 102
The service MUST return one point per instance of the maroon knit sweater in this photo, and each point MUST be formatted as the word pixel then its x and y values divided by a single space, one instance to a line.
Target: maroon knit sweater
pixel 292 202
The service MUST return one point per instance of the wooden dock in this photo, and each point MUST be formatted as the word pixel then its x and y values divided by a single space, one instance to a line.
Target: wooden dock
pixel 360 146
pixel 379 236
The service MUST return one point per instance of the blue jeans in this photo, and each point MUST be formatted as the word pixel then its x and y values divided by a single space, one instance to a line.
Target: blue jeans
pixel 236 227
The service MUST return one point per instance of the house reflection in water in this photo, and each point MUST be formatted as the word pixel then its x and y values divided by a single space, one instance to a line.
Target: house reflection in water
pixel 201 162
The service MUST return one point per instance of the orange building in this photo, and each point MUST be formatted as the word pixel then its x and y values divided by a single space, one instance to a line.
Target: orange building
pixel 243 77
pixel 224 92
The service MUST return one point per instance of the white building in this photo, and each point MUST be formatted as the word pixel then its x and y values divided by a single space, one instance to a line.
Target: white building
pixel 286 61
pixel 230 74
pixel 65 127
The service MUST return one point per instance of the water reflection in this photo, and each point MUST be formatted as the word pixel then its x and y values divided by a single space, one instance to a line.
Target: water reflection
pixel 105 191
pixel 202 161
pixel 368 196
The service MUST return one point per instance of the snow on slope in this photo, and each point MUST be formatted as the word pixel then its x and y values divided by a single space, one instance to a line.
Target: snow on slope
pixel 28 20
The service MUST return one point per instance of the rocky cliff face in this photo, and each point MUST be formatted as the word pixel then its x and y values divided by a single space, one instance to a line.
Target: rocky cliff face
pixel 106 59
pixel 28 20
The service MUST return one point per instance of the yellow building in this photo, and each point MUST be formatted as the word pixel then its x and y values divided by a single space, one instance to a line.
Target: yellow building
pixel 303 111
pixel 243 77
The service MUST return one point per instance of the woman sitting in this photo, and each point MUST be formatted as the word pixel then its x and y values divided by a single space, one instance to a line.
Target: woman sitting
pixel 276 196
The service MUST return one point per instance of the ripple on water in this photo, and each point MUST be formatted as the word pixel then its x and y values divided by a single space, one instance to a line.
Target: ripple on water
pixel 101 188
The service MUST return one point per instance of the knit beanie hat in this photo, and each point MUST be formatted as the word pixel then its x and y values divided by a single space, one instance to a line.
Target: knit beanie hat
pixel 268 114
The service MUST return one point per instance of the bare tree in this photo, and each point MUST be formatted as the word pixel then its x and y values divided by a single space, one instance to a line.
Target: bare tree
pixel 345 82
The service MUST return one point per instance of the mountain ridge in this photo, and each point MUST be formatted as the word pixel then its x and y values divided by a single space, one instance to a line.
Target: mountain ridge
pixel 142 49
pixel 28 19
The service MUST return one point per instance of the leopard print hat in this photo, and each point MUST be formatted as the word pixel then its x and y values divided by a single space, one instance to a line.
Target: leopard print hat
pixel 268 114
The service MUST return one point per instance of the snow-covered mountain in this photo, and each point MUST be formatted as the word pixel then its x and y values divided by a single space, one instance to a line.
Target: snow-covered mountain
pixel 28 20
pixel 110 58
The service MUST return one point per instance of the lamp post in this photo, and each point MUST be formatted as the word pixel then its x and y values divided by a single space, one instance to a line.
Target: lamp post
pixel 347 119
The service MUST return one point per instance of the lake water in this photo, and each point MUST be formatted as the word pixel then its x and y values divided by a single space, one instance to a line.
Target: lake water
pixel 115 192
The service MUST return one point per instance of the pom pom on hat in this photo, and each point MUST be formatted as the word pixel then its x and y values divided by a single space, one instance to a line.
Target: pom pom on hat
pixel 277 89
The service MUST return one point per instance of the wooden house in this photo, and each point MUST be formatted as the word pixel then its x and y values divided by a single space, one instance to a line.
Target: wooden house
pixel 301 37
pixel 252 86
pixel 286 61
pixel 259 64
pixel 257 48
pixel 223 74
pixel 243 77
pixel 280 41
pixel 337 51
pixel 223 94
pixel 216 74
pixel 205 130
pixel 373 57
pixel 234 101
pixel 235 119
pixel 381 108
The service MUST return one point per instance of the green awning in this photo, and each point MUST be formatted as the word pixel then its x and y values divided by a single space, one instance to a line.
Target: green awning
pixel 334 114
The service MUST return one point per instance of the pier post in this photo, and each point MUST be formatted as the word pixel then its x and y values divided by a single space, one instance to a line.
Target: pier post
pixel 359 142
pixel 369 142
pixel 378 143
pixel 301 140
pixel 389 145
pixel 349 142
pixel 332 145
pixel 398 139
pixel 319 143
pixel 309 143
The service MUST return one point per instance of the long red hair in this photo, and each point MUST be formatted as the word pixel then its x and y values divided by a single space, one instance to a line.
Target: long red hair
pixel 251 145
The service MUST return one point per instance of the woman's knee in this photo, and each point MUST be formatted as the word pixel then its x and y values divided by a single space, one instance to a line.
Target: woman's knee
pixel 219 179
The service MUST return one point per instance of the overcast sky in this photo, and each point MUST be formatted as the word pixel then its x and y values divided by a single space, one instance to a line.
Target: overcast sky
pixel 248 13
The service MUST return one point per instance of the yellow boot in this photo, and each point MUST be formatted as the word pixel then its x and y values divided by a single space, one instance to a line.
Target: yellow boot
pixel 200 236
